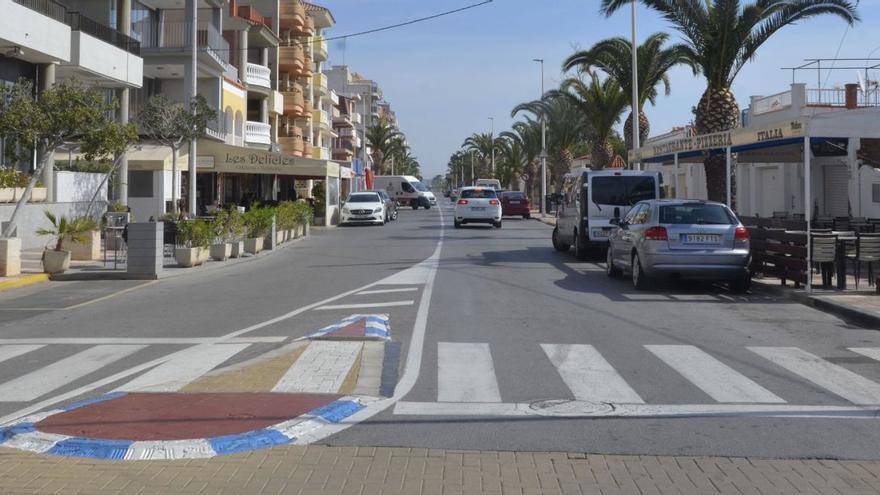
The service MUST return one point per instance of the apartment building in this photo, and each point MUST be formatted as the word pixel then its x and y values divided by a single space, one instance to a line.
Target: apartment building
pixel 346 125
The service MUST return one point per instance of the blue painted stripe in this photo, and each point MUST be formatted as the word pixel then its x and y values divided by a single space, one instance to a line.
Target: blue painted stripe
pixel 390 366
pixel 378 319
pixel 376 332
pixel 336 411
pixel 8 432
pixel 251 440
pixel 91 447
pixel 94 400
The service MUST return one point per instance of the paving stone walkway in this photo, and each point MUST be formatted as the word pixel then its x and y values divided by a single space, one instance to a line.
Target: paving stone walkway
pixel 358 470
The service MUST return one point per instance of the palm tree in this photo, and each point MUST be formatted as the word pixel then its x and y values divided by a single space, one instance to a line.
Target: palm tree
pixel 528 135
pixel 613 57
pixel 510 162
pixel 483 144
pixel 721 37
pixel 384 139
pixel 567 127
pixel 602 102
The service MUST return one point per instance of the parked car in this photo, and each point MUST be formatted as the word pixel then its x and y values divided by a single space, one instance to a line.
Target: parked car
pixel 488 183
pixel 515 203
pixel 363 207
pixel 675 238
pixel 390 205
pixel 478 205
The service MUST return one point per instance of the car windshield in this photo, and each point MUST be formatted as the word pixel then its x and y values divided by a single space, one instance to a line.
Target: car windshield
pixel 622 190
pixel 478 193
pixel 383 194
pixel 514 195
pixel 696 214
pixel 419 186
pixel 364 198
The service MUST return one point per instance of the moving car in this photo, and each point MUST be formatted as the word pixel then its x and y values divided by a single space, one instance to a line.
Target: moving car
pixel 363 207
pixel 590 199
pixel 515 203
pixel 478 205
pixel 390 205
pixel 675 238
pixel 488 183
pixel 406 190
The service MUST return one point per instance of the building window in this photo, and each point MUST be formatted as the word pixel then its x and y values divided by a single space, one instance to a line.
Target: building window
pixel 140 184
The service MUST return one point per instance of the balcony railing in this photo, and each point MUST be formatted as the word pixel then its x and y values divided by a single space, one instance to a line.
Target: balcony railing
pixel 836 97
pixel 320 152
pixel 48 8
pixel 259 75
pixel 258 132
pixel 319 80
pixel 79 22
pixel 252 15
pixel 215 134
pixel 176 36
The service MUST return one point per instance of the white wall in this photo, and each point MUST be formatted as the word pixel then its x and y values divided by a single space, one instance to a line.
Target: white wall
pixel 34 32
pixel 144 208
pixel 78 186
pixel 104 59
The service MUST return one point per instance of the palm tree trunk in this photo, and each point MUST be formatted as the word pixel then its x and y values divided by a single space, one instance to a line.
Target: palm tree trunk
pixel 602 154
pixel 716 112
pixel 644 129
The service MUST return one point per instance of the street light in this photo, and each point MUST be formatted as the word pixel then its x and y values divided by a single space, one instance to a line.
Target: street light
pixel 472 167
pixel 543 144
pixel 492 135
pixel 635 86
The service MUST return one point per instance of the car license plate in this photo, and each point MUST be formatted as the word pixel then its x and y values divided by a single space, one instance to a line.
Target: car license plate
pixel 478 208
pixel 514 202
pixel 601 233
pixel 702 239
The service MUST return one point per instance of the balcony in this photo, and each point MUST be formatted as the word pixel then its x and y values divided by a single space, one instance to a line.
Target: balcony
pixel 321 118
pixel 294 103
pixel 253 16
pixel 291 145
pixel 355 118
pixel 293 16
pixel 320 152
pixel 172 37
pixel 258 133
pixel 291 59
pixel 276 102
pixel 319 49
pixel 258 75
pixel 307 150
pixel 319 81
pixel 342 120
pixel 98 50
pixel 309 28
pixel 38 27
pixel 346 132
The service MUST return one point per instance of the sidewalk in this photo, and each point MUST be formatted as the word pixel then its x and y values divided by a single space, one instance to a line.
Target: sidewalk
pixel 360 470
pixel 862 307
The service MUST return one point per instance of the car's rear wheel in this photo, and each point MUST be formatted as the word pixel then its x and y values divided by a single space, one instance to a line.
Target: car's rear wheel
pixel 415 205
pixel 394 215
pixel 580 248
pixel 741 284
pixel 527 216
pixel 457 224
pixel 557 243
pixel 611 270
pixel 639 278
pixel 497 224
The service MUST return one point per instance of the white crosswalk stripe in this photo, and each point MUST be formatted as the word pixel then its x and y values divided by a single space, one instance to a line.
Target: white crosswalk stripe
pixel 10 351
pixel 719 381
pixel 588 375
pixel 836 379
pixel 466 373
pixel 44 380
pixel 183 369
pixel 871 352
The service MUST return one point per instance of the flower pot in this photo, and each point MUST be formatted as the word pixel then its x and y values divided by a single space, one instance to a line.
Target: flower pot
pixel 38 195
pixel 288 235
pixel 221 251
pixel 305 231
pixel 279 236
pixel 237 249
pixel 253 245
pixel 87 250
pixel 10 257
pixel 188 257
pixel 7 195
pixel 55 261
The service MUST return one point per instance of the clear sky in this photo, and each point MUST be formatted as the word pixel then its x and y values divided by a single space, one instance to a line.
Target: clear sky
pixel 446 77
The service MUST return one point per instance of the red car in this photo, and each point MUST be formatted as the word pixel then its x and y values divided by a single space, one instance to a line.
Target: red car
pixel 515 203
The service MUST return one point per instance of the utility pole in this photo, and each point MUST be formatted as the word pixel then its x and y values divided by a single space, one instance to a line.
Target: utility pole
pixel 472 168
pixel 190 90
pixel 635 85
pixel 492 134
pixel 541 200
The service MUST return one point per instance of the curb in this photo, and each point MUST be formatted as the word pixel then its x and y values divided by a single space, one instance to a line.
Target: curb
pixel 854 315
pixel 23 281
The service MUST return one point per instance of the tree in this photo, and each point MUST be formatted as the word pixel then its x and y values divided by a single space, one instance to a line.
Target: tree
pixel 528 135
pixel 173 125
pixel 721 37
pixel 602 102
pixel 511 162
pixel 613 56
pixel 65 112
pixel 483 144
pixel 383 138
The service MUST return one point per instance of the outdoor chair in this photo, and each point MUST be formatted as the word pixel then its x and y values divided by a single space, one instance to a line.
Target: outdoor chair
pixel 841 224
pixel 823 253
pixel 823 222
pixel 780 214
pixel 867 251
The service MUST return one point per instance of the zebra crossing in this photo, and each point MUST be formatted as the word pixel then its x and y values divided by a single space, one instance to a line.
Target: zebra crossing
pixel 467 383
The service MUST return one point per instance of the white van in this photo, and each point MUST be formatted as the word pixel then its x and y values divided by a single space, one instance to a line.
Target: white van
pixel 488 183
pixel 406 190
pixel 590 199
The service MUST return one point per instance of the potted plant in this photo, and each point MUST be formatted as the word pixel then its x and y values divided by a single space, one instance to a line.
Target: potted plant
pixel 258 223
pixel 57 260
pixel 235 226
pixel 303 218
pixel 287 219
pixel 88 248
pixel 319 196
pixel 194 236
pixel 221 249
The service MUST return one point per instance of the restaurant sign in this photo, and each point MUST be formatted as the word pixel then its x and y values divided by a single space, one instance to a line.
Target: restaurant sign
pixel 719 140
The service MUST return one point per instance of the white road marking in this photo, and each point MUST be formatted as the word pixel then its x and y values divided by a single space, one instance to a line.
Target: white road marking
pixel 321 368
pixel 871 352
pixel 575 409
pixel 588 375
pixel 386 291
pixel 11 351
pixel 465 373
pixel 836 379
pixel 719 381
pixel 145 341
pixel 44 380
pixel 174 374
pixel 365 305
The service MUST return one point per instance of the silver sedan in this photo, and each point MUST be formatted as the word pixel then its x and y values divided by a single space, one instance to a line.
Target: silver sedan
pixel 674 238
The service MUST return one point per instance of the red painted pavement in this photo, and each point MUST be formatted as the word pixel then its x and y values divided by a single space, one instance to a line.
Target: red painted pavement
pixel 178 416
pixel 356 329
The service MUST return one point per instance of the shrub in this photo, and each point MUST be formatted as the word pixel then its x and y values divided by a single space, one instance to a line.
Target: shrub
pixel 319 194
pixel 258 221
pixel 303 212
pixel 13 178
pixel 235 223
pixel 194 233
pixel 287 215
pixel 220 225
pixel 67 229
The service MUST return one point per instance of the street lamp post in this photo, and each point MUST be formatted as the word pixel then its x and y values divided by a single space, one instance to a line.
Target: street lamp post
pixel 635 86
pixel 492 136
pixel 472 167
pixel 190 91
pixel 543 144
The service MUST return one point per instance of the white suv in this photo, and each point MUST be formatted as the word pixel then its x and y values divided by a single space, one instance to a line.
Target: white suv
pixel 478 205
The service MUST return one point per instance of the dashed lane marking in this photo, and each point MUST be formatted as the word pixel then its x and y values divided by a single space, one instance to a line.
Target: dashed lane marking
pixel 365 305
